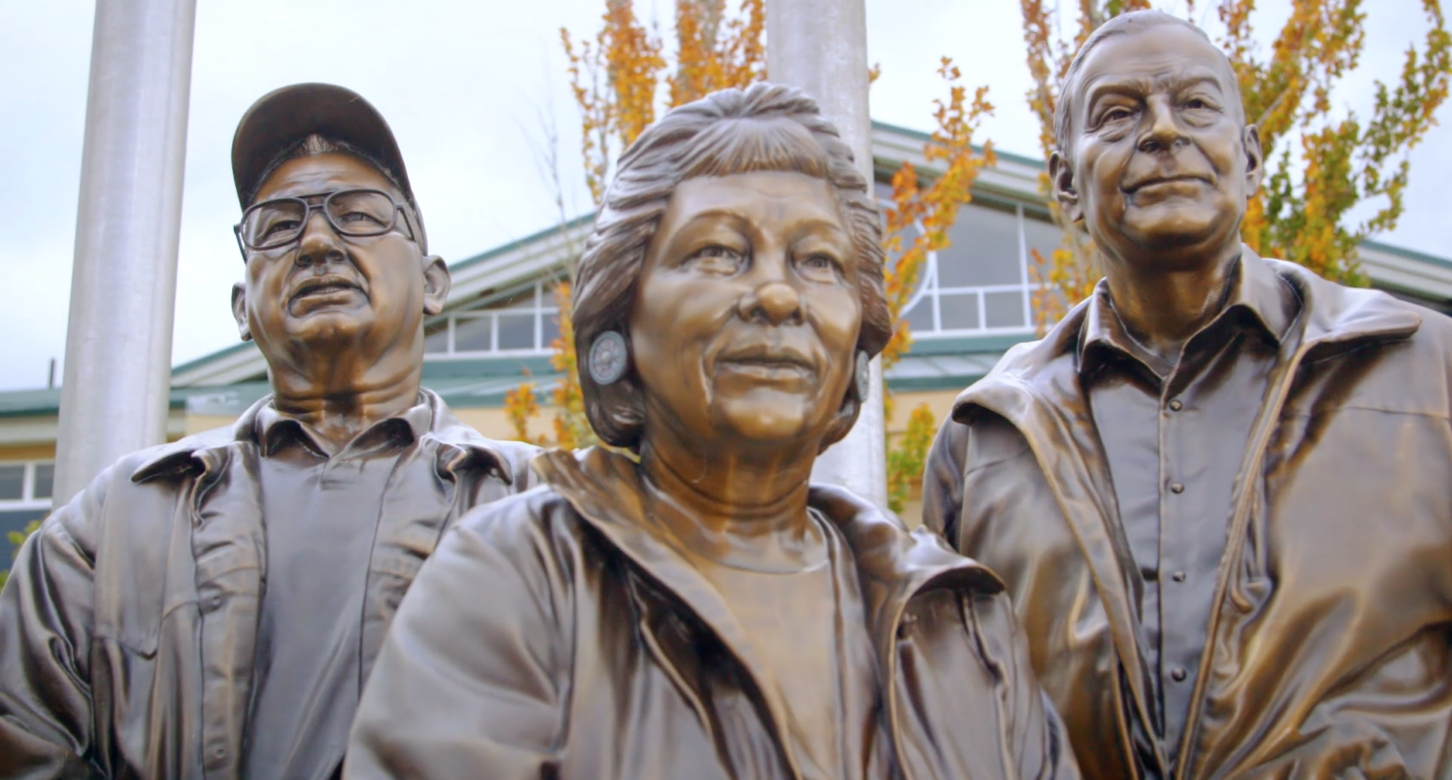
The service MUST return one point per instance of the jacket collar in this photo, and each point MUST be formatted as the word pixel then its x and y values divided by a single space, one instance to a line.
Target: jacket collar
pixel 893 564
pixel 1331 315
pixel 460 447
pixel 1257 300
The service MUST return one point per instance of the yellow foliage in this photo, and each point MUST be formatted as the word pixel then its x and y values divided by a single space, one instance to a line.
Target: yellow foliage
pixel 905 461
pixel 933 208
pixel 18 538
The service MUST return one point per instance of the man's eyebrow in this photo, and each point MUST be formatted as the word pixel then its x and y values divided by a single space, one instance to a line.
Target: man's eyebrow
pixel 1137 86
pixel 1129 87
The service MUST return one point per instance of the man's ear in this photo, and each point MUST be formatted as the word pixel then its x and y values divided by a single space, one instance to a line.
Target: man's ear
pixel 239 310
pixel 1254 160
pixel 436 284
pixel 1061 176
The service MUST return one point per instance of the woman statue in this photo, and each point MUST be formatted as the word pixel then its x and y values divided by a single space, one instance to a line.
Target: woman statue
pixel 694 609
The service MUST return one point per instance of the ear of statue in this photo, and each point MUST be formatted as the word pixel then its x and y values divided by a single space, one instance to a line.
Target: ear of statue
pixel 1254 160
pixel 436 284
pixel 1061 173
pixel 239 310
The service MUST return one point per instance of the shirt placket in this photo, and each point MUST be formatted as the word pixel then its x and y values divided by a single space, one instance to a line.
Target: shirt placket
pixel 1194 509
pixel 1177 494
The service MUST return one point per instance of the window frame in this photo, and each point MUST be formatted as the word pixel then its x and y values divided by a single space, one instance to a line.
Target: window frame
pixel 28 499
pixel 1025 288
pixel 537 309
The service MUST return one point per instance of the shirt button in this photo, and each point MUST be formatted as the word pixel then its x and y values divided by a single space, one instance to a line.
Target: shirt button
pixel 1178 576
pixel 1176 405
pixel 1177 487
pixel 1178 674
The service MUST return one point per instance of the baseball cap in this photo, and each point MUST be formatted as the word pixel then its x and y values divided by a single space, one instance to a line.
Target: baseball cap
pixel 283 117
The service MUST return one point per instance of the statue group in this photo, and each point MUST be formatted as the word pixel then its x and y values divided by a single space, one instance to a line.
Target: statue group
pixel 1194 532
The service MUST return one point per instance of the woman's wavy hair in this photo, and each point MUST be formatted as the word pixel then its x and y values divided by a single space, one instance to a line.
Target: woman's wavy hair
pixel 765 127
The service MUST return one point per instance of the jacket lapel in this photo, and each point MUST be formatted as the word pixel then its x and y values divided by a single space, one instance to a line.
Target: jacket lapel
pixel 605 489
pixel 1035 387
pixel 1333 319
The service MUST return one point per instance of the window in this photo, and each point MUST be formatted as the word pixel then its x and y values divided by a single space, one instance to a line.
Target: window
pixel 522 321
pixel 980 283
pixel 25 485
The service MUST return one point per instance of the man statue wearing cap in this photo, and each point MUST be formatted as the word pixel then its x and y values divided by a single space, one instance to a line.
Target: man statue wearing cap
pixel 1217 490
pixel 211 607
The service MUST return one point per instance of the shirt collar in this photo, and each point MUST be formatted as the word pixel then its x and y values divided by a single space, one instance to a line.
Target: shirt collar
pixel 272 431
pixel 1258 299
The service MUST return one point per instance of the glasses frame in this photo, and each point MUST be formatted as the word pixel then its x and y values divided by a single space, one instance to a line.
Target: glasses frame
pixel 322 206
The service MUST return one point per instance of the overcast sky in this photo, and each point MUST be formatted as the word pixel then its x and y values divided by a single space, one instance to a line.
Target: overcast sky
pixel 468 88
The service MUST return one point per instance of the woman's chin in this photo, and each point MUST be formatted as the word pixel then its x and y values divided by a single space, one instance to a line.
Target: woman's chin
pixel 757 424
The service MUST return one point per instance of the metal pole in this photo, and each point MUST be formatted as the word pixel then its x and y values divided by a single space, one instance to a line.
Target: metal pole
pixel 123 286
pixel 820 46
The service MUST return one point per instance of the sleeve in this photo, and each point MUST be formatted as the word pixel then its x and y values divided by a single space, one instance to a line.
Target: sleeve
pixel 46 619
pixel 469 676
pixel 1037 740
pixel 943 481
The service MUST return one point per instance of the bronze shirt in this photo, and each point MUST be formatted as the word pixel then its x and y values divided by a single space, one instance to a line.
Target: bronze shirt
pixel 1175 478
pixel 818 658
pixel 320 514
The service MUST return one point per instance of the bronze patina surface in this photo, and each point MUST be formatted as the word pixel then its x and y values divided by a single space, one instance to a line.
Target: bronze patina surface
pixel 211 607
pixel 1217 489
pixel 702 611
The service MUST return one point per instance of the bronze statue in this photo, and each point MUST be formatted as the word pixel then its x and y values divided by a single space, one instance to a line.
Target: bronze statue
pixel 701 612
pixel 1217 490
pixel 211 607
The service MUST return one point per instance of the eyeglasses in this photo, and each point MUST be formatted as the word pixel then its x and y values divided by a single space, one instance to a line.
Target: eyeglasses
pixel 273 224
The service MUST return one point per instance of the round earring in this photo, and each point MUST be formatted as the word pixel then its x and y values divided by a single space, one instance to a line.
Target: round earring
pixel 863 376
pixel 607 358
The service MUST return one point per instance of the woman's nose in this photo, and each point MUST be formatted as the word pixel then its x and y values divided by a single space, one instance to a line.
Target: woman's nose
pixel 774 301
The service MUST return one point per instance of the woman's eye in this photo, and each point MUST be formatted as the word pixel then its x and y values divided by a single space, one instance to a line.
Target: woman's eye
pixel 819 266
pixel 716 259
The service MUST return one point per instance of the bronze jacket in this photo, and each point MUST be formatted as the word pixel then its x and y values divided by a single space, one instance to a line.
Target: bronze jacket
pixel 555 635
pixel 1329 652
pixel 128 625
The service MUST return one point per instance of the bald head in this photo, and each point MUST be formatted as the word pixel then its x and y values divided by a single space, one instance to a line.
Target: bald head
pixel 1133 23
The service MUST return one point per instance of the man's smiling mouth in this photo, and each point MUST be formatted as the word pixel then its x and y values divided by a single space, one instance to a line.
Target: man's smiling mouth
pixel 1158 181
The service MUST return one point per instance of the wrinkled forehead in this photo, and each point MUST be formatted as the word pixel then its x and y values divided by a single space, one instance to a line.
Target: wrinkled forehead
pixel 765 199
pixel 1162 57
pixel 323 173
